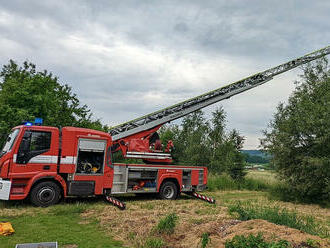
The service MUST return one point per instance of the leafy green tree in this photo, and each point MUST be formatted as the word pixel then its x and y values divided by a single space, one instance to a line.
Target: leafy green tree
pixel 26 93
pixel 193 139
pixel 201 142
pixel 236 168
pixel 299 135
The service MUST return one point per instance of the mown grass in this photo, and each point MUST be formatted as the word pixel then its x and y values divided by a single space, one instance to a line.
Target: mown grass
pixel 280 216
pixel 62 223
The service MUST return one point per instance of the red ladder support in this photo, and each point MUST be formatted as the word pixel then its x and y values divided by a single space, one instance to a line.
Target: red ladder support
pixel 119 204
pixel 202 197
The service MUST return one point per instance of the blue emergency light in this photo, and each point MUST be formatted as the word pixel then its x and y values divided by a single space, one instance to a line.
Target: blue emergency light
pixel 38 121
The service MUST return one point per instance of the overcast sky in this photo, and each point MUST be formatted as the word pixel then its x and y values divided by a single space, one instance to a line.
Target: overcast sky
pixel 125 59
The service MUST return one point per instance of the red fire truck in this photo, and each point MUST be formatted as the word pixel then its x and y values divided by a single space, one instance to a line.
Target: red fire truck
pixel 47 163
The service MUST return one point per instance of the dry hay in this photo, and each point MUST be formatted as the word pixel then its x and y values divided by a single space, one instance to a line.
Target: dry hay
pixel 269 230
pixel 137 222
pixel 134 225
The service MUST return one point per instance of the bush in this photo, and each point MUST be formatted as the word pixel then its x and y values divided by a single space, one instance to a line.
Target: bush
pixel 278 216
pixel 167 224
pixel 284 192
pixel 251 241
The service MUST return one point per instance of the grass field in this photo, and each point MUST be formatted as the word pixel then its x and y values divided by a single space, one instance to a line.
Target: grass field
pixel 187 222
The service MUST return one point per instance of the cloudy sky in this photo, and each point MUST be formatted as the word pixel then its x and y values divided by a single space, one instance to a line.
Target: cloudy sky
pixel 125 59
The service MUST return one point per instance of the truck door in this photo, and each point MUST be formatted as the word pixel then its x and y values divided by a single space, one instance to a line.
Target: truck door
pixel 91 172
pixel 37 153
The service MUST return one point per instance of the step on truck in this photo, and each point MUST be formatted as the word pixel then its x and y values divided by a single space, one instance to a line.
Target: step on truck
pixel 46 164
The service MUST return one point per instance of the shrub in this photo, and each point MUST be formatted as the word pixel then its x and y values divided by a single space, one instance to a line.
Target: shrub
pixel 167 224
pixel 251 241
pixel 284 192
pixel 278 216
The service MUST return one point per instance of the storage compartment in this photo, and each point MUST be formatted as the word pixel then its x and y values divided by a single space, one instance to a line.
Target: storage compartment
pixel 119 184
pixel 142 180
pixel 186 180
pixel 201 177
pixel 90 156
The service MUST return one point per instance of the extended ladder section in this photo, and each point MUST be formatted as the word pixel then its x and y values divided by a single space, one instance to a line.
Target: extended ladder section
pixel 184 108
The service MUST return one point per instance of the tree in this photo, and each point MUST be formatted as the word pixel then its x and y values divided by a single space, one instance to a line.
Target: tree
pixel 299 135
pixel 202 142
pixel 236 168
pixel 192 140
pixel 26 93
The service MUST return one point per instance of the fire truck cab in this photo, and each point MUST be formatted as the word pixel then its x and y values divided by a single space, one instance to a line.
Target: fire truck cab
pixel 47 164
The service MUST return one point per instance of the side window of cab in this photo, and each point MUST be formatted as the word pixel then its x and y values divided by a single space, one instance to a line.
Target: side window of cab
pixel 33 143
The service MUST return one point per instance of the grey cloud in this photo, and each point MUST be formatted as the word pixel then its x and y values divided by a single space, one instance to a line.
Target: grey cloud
pixel 128 58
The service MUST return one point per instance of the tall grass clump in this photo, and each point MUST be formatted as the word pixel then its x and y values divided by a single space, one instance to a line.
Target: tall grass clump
pixel 154 243
pixel 276 215
pixel 225 182
pixel 205 240
pixel 251 241
pixel 167 224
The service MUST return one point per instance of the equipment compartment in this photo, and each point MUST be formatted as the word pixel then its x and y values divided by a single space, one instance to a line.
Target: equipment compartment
pixel 142 180
pixel 186 180
pixel 90 156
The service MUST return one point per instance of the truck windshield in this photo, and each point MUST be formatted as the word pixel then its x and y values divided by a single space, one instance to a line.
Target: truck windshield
pixel 9 142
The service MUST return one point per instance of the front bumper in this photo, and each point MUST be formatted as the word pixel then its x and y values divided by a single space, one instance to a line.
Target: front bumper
pixel 5 187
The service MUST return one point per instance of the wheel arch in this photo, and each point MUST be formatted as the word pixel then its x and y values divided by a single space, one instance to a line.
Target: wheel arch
pixel 60 183
pixel 170 179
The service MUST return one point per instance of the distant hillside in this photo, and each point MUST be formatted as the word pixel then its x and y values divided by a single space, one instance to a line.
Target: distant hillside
pixel 256 156
pixel 256 153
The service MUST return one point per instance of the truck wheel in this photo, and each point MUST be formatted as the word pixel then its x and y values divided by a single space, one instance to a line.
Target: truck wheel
pixel 168 191
pixel 45 194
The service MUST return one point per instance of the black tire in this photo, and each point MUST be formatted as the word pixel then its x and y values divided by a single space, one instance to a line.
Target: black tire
pixel 45 194
pixel 168 191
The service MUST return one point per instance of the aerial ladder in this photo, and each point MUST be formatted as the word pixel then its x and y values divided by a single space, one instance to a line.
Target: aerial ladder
pixel 138 138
